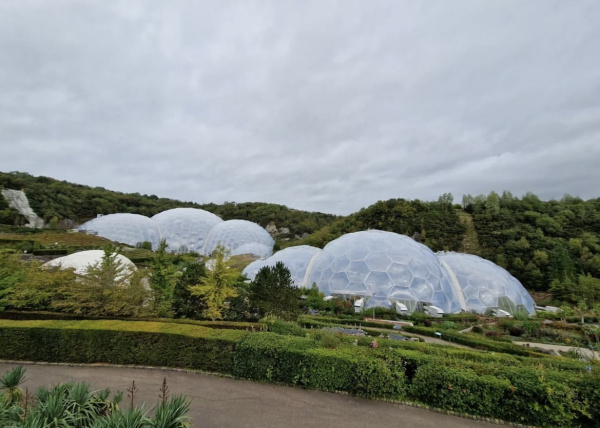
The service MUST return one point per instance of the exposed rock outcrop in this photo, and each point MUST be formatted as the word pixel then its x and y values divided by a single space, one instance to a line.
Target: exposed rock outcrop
pixel 18 201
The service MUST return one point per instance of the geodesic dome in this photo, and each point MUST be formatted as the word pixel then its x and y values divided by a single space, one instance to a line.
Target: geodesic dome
pixel 253 248
pixel 82 260
pixel 233 234
pixel 386 268
pixel 486 285
pixel 130 229
pixel 296 259
pixel 185 229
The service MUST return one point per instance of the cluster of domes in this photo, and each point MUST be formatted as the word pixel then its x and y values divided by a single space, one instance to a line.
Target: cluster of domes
pixel 387 269
pixel 184 230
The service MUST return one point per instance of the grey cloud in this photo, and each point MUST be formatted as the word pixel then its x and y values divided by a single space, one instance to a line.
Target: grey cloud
pixel 325 106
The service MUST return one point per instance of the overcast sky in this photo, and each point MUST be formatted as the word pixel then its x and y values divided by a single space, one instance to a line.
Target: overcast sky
pixel 319 105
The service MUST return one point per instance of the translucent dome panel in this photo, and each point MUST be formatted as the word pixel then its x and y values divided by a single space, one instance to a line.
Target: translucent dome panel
pixel 185 229
pixel 82 260
pixel 253 248
pixel 130 229
pixel 486 285
pixel 296 259
pixel 232 234
pixel 387 268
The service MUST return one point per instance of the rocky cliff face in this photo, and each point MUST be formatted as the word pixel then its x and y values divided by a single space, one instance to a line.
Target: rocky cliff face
pixel 18 201
pixel 274 231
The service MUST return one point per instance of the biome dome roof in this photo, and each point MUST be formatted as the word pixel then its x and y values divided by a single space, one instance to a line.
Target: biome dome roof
pixel 296 259
pixel 82 260
pixel 253 248
pixel 233 234
pixel 185 229
pixel 486 285
pixel 386 268
pixel 130 229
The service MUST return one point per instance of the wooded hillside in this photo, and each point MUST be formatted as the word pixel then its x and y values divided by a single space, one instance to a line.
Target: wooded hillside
pixel 539 242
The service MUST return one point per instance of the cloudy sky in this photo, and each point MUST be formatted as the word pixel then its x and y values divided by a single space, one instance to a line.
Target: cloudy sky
pixel 319 105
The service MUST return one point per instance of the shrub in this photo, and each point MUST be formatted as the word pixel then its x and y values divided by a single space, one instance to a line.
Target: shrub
pixel 460 390
pixel 285 328
pixel 298 361
pixel 539 397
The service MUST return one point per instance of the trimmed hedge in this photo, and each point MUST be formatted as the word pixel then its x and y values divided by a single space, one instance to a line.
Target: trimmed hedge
pixel 42 315
pixel 460 390
pixel 545 391
pixel 307 321
pixel 522 395
pixel 475 341
pixel 298 361
pixel 120 342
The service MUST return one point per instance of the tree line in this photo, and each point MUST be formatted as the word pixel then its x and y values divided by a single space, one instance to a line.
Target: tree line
pixel 173 286
pixel 545 244
pixel 63 203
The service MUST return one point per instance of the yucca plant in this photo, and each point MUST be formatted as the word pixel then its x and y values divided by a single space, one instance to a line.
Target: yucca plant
pixel 131 418
pixel 74 405
pixel 172 413
pixel 10 414
pixel 11 381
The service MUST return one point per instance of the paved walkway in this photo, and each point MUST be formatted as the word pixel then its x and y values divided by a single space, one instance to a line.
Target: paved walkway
pixel 225 402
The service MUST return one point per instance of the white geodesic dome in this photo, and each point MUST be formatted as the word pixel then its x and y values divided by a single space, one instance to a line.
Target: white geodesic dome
pixel 185 229
pixel 486 285
pixel 296 259
pixel 386 268
pixel 130 229
pixel 254 249
pixel 82 260
pixel 233 234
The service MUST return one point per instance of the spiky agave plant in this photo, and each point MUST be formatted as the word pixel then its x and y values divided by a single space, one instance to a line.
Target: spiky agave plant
pixel 10 414
pixel 131 418
pixel 172 413
pixel 10 382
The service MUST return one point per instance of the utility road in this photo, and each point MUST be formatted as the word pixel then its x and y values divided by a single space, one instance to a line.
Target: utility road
pixel 225 402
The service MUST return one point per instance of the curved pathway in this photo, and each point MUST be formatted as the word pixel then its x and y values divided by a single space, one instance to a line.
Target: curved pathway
pixel 225 402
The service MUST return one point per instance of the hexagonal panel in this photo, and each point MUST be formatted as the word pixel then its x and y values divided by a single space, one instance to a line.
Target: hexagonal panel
pixel 378 261
pixel 357 271
pixel 422 289
pixel 400 274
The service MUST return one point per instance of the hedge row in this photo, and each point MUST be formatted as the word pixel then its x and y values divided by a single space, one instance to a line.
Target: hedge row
pixel 509 387
pixel 324 321
pixel 475 341
pixel 298 361
pixel 41 315
pixel 119 342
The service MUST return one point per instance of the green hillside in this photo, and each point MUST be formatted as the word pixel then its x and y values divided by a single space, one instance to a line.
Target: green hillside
pixel 59 201
pixel 539 242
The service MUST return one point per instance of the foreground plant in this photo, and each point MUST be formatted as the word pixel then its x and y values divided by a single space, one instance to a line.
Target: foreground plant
pixel 76 405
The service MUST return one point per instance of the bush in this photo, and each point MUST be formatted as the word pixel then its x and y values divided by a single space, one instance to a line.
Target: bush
pixel 459 390
pixel 285 328
pixel 298 361
pixel 539 398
